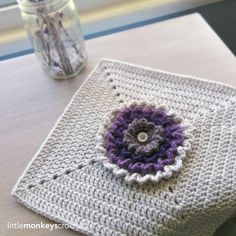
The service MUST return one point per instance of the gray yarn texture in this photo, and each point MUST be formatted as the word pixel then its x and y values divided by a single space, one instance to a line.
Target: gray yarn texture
pixel 66 183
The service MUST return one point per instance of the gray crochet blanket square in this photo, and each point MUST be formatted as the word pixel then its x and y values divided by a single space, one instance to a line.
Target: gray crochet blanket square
pixel 66 183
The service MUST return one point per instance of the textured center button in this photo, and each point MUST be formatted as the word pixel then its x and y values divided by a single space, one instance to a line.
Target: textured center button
pixel 142 137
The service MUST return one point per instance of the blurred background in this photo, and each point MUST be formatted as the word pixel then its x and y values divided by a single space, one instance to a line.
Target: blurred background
pixel 101 17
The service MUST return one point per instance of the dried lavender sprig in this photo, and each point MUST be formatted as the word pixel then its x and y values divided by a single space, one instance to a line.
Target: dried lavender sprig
pixel 49 25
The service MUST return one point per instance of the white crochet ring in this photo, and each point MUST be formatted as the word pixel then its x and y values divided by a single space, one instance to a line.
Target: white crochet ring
pixel 129 176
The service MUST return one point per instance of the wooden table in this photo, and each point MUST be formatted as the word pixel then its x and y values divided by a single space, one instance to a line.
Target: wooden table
pixel 30 102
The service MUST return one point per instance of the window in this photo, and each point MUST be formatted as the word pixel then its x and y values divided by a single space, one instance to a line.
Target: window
pixel 4 3
pixel 96 17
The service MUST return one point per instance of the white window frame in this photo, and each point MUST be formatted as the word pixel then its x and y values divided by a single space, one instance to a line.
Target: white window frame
pixel 7 2
pixel 97 17
pixel 10 15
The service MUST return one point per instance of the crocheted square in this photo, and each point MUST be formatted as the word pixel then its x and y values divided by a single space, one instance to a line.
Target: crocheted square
pixel 68 182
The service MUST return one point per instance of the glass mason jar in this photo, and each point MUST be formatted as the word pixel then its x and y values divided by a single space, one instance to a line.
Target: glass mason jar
pixel 54 29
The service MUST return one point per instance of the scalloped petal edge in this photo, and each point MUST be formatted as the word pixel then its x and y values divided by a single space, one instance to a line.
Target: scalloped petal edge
pixel 136 177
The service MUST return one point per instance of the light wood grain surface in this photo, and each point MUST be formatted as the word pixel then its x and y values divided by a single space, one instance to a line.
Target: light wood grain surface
pixel 30 102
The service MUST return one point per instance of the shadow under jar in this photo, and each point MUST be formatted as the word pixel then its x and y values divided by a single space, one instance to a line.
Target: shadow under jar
pixel 55 32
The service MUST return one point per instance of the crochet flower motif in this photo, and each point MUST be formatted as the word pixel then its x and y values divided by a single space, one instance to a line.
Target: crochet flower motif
pixel 143 142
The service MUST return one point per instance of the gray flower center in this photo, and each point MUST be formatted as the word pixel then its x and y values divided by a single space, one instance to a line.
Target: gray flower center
pixel 143 137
